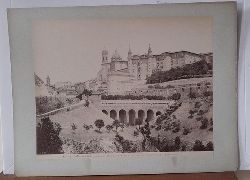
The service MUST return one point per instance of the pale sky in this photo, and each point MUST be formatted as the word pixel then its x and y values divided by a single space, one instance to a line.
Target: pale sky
pixel 70 50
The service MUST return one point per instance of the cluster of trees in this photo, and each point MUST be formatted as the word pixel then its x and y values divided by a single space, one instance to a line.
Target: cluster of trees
pixel 47 103
pixel 48 140
pixel 175 96
pixel 198 69
pixel 86 93
pixel 126 145
pixel 198 146
pixel 131 97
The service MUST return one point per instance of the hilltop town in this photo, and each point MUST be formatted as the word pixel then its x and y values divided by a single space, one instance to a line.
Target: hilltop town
pixel 124 76
pixel 149 102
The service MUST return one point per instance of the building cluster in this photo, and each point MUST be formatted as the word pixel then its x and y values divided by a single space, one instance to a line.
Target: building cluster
pixel 119 76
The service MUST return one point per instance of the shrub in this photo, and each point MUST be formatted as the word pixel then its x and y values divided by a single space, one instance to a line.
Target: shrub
pixel 136 133
pixel 158 128
pixel 211 121
pixel 99 123
pixel 152 126
pixel 109 127
pixel 209 146
pixel 183 147
pixel 138 121
pixel 122 125
pixel 177 129
pixel 198 146
pixel 177 142
pixel 86 127
pixel 73 126
pixel 201 112
pixel 126 146
pixel 208 93
pixel 119 138
pixel 199 118
pixel 191 112
pixel 175 96
pixel 186 131
pixel 192 95
pixel 204 123
pixel 48 140
pixel 86 103
pixel 197 105
pixel 116 124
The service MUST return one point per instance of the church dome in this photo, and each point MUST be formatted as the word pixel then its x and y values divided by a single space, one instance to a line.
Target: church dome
pixel 116 57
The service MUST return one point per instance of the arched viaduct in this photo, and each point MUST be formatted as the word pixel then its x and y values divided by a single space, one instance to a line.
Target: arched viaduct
pixel 128 110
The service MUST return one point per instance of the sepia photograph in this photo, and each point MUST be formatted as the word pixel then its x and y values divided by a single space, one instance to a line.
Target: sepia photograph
pixel 123 85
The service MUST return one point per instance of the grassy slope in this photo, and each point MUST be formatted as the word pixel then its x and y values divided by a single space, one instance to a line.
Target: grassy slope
pixel 182 114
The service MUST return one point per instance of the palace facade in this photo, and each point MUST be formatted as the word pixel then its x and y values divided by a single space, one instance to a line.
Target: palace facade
pixel 118 75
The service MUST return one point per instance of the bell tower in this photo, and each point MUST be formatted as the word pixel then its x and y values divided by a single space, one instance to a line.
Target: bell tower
pixel 129 60
pixel 149 50
pixel 105 66
pixel 104 56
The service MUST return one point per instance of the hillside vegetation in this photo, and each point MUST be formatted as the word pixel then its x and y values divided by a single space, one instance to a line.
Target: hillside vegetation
pixel 195 70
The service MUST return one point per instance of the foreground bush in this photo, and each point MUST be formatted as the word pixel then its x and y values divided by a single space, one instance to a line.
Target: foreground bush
pixel 48 140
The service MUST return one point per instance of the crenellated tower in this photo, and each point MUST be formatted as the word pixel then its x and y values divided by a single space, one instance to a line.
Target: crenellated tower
pixel 103 76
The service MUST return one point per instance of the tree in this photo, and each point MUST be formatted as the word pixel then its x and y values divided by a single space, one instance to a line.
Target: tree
pixel 192 95
pixel 48 140
pixel 145 131
pixel 73 127
pixel 99 123
pixel 122 125
pixel 138 121
pixel 204 123
pixel 210 146
pixel 87 103
pixel 79 96
pixel 87 93
pixel 198 146
pixel 177 142
pixel 86 127
pixel 109 127
pixel 116 124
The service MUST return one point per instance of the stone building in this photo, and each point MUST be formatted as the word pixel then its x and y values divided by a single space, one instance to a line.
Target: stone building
pixel 118 75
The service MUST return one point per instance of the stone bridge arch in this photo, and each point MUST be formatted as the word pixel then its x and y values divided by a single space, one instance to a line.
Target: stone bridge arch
pixel 128 111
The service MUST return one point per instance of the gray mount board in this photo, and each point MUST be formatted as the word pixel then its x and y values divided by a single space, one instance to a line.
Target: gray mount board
pixel 225 155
